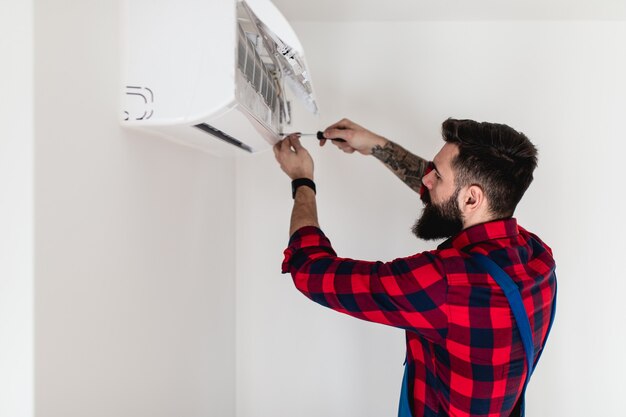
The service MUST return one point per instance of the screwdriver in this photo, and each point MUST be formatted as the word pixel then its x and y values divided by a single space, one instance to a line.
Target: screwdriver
pixel 319 135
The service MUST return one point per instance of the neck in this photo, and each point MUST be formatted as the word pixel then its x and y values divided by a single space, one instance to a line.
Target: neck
pixel 477 219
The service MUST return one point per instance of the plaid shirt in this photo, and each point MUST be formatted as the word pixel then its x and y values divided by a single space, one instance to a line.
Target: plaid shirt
pixel 464 352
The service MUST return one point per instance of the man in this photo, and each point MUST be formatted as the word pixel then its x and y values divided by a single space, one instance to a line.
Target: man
pixel 477 311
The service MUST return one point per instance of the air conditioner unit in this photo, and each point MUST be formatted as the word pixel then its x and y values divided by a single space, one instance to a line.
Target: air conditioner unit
pixel 211 73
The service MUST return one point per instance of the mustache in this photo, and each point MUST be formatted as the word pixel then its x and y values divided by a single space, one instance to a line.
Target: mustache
pixel 425 197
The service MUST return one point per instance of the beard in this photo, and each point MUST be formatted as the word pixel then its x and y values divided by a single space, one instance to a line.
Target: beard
pixel 439 221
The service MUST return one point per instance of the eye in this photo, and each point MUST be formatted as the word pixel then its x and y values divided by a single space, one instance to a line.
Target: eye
pixel 437 175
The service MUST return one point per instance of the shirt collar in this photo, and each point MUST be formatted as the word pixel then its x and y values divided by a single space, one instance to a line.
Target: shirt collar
pixel 496 229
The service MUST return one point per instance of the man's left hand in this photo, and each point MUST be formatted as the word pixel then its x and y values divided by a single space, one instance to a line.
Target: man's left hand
pixel 293 158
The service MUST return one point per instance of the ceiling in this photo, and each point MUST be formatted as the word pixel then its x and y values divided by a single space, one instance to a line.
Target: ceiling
pixel 425 10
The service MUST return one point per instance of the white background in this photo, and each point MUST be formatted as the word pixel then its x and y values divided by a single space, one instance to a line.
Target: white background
pixel 135 252
pixel 147 283
pixel 16 209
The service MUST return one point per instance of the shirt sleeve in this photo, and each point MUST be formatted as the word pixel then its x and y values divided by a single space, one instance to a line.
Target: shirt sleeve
pixel 409 293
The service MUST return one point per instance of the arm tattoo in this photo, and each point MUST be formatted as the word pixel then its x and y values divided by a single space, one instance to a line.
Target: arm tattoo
pixel 408 167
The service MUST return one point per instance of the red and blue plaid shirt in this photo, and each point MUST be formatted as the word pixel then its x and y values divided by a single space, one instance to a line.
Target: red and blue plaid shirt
pixel 464 352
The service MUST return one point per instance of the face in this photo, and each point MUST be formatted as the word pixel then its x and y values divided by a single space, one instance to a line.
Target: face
pixel 441 217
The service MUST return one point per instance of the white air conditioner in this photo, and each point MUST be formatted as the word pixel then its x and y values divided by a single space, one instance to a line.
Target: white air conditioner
pixel 211 73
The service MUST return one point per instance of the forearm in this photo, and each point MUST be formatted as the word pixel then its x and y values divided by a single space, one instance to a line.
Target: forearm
pixel 408 167
pixel 304 211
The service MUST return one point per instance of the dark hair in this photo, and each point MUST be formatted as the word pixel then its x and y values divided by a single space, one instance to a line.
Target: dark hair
pixel 494 156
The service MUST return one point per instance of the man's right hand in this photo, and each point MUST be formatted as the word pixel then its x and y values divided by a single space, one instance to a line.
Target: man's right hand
pixel 356 137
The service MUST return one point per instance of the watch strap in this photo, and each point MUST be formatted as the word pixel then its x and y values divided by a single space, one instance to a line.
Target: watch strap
pixel 299 182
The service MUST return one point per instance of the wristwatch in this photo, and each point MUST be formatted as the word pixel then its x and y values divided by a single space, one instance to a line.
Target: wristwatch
pixel 298 182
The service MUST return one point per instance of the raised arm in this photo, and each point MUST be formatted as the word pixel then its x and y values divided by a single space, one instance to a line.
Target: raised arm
pixel 408 167
pixel 296 162
pixel 409 293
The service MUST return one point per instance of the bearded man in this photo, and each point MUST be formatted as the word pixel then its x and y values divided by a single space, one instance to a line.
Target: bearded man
pixel 477 310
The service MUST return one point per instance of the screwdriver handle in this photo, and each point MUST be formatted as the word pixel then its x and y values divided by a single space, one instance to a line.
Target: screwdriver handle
pixel 320 136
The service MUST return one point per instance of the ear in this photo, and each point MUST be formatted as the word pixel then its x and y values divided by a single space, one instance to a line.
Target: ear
pixel 473 199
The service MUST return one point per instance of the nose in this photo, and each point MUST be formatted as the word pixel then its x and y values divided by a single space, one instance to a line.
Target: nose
pixel 427 180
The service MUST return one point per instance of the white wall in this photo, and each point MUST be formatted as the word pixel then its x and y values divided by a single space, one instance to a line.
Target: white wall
pixel 16 209
pixel 562 84
pixel 135 251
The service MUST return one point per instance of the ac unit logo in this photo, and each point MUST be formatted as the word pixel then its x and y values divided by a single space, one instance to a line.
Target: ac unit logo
pixel 140 102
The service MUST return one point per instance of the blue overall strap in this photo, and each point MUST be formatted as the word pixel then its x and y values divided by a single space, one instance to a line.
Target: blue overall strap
pixel 404 409
pixel 512 293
